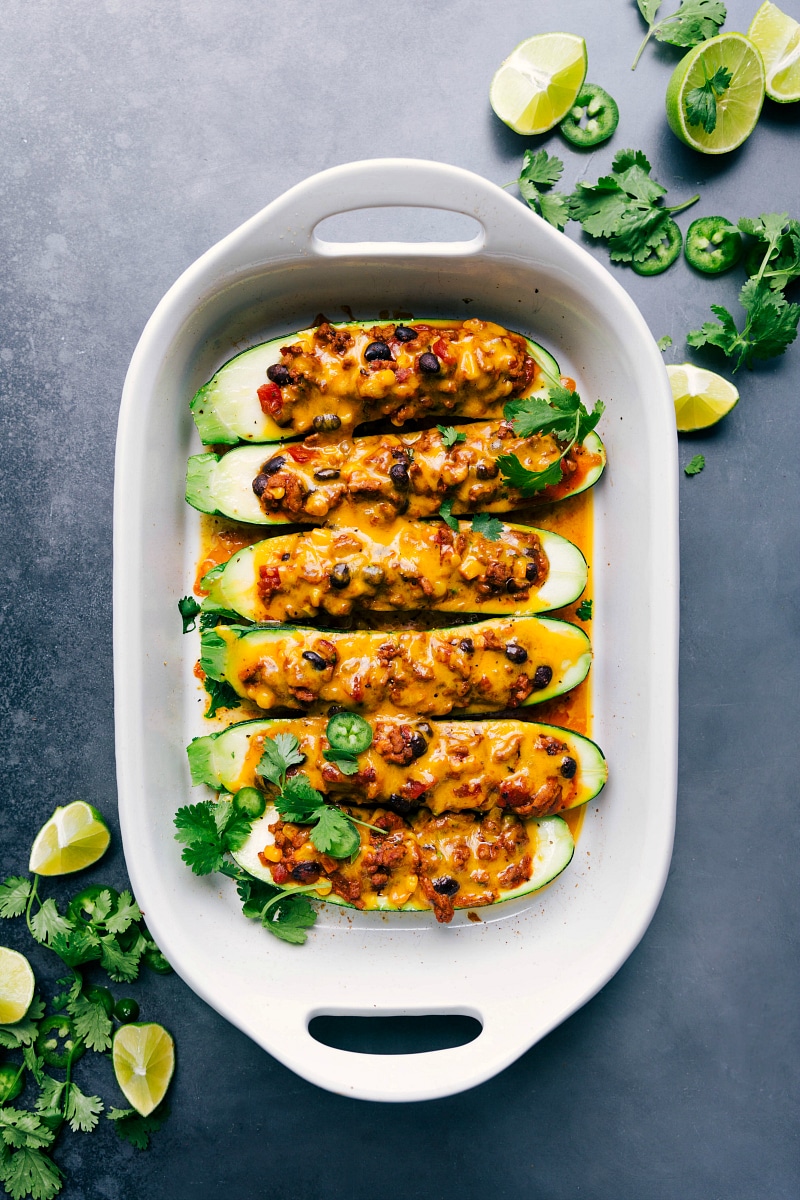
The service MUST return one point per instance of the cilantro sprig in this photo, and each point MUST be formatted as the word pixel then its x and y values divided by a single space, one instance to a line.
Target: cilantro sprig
pixel 540 171
pixel 451 436
pixel 624 208
pixel 701 102
pixel 563 415
pixel 695 466
pixel 692 22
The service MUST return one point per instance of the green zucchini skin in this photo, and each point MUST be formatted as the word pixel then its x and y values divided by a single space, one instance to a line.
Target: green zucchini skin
pixel 232 653
pixel 555 847
pixel 227 410
pixel 234 589
pixel 224 760
pixel 222 485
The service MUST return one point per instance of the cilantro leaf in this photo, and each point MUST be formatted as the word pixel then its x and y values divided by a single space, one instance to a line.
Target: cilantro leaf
pixel 451 436
pixel 695 466
pixel 525 481
pixel 188 608
pixel 535 415
pixel 488 526
pixel 584 610
pixel 136 1129
pixel 221 695
pixel 76 947
pixel 446 513
pixel 664 342
pixel 82 1111
pixel 344 760
pixel 779 240
pixel 28 1172
pixel 14 893
pixel 770 327
pixel 125 914
pixel 701 102
pixel 279 754
pixel 92 1023
pixel 299 801
pixel 20 1128
pixel 49 1097
pixel 540 171
pixel 335 834
pixel 694 21
pixel 122 965
pixel 289 918
pixel 47 922
pixel 23 1033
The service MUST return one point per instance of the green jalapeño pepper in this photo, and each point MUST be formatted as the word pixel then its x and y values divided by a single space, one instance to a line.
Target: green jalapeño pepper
pixel 713 245
pixel 593 117
pixel 57 1043
pixel 662 255
pixel 349 732
pixel 12 1081
pixel 82 907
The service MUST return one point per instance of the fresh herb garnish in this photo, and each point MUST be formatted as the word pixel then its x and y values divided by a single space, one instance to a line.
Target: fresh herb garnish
pixel 695 466
pixel 701 102
pixel 446 513
pixel 450 436
pixel 188 608
pixel 624 208
pixel 345 760
pixel 488 526
pixel 221 695
pixel 539 172
pixel 693 21
pixel 584 610
pixel 562 415
pixel 664 342
pixel 136 1129
pixel 778 246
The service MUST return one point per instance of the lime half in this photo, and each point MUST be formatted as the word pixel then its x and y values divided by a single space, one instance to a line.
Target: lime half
pixel 777 36
pixel 737 107
pixel 16 986
pixel 701 397
pixel 144 1059
pixel 539 82
pixel 75 837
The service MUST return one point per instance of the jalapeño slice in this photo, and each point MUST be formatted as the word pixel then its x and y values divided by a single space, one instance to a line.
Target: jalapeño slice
pixel 593 117
pixel 662 255
pixel 349 732
pixel 250 802
pixel 713 245
pixel 57 1043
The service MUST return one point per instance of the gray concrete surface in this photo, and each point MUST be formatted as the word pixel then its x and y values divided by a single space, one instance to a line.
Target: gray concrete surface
pixel 134 135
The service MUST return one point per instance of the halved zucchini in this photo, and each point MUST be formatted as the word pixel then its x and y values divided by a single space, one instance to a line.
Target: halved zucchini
pixel 448 766
pixel 491 858
pixel 492 665
pixel 383 476
pixel 401 567
pixel 336 376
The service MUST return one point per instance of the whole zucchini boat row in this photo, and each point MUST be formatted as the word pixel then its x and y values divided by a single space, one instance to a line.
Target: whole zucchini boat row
pixel 402 567
pixel 532 769
pixel 333 377
pixel 444 863
pixel 489 666
pixel 380 477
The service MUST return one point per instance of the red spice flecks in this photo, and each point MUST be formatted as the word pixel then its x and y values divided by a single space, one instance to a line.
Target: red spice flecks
pixel 301 453
pixel 271 399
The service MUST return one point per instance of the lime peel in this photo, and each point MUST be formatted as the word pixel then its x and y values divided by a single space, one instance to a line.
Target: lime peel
pixel 737 108
pixel 537 85
pixel 701 397
pixel 74 837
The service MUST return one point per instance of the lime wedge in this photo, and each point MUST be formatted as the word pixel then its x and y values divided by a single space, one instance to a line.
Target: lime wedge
pixel 144 1059
pixel 73 838
pixel 16 986
pixel 739 105
pixel 539 82
pixel 701 397
pixel 777 36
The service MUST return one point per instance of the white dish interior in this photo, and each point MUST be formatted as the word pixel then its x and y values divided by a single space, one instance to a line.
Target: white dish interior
pixel 530 963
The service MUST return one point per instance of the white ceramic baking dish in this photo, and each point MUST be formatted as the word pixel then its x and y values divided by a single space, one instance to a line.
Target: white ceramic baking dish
pixel 531 963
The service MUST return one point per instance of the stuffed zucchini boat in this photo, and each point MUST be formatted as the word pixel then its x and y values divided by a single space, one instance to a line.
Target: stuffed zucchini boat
pixel 492 665
pixel 401 567
pixel 532 769
pixel 380 477
pixel 444 863
pixel 333 377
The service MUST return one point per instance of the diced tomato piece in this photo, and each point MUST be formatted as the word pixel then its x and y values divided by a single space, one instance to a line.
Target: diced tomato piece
pixel 270 399
pixel 269 579
pixel 279 873
pixel 442 350
pixel 301 453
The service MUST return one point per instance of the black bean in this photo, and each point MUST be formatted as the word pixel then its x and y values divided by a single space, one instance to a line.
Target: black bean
pixel 340 576
pixel 316 660
pixel 326 473
pixel 399 474
pixel 513 587
pixel 404 334
pixel 429 363
pixel 542 677
pixel 517 654
pixel 417 745
pixel 306 872
pixel 568 767
pixel 425 728
pixel 273 465
pixel 285 557
pixel 531 572
pixel 260 484
pixel 326 422
pixel 467 645
pixel 377 352
pixel 336 708
pixel 399 804
pixel 445 885
pixel 487 470
pixel 279 374
pixel 373 575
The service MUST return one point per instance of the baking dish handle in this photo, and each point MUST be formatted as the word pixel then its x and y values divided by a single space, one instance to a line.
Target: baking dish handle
pixel 398 1077
pixel 287 227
